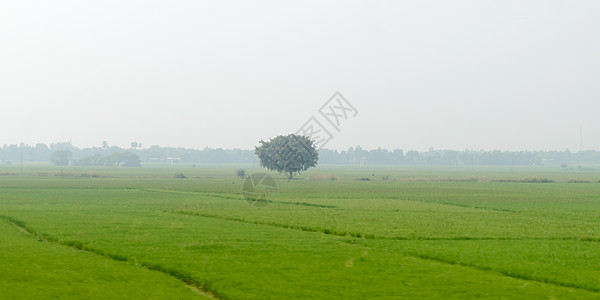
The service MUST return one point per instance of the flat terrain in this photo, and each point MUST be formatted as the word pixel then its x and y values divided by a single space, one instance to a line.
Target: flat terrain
pixel 403 232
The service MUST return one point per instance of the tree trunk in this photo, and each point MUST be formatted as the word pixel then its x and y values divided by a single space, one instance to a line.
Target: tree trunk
pixel 291 176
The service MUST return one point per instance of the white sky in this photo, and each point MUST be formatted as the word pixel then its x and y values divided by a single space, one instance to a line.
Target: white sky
pixel 508 75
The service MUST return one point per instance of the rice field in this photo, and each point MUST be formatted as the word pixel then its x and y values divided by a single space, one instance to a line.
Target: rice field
pixel 335 233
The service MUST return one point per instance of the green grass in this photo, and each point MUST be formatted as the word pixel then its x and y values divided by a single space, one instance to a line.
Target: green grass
pixel 35 268
pixel 423 233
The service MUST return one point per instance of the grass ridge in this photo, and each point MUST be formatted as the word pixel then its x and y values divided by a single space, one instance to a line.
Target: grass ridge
pixel 238 198
pixel 374 237
pixel 187 279
pixel 417 255
pixel 503 272
pixel 280 225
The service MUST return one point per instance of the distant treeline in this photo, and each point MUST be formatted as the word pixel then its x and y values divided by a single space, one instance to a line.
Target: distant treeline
pixel 355 155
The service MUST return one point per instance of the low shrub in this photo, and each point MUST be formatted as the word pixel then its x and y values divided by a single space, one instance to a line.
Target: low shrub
pixel 321 177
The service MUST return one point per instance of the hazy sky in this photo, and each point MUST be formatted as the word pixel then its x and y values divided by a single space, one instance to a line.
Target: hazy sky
pixel 508 75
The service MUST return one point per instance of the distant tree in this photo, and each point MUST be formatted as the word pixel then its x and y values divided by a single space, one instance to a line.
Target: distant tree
pixel 241 173
pixel 60 157
pixel 41 152
pixel 287 154
pixel 124 159
pixel 130 160
pixel 413 157
pixel 134 145
pixel 91 160
pixel 104 145
pixel 41 147
pixel 109 160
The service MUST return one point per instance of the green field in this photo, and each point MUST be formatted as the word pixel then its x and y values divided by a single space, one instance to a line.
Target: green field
pixel 407 232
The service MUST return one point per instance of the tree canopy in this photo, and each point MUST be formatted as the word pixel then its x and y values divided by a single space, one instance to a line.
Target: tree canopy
pixel 125 159
pixel 60 157
pixel 287 154
pixel 351 156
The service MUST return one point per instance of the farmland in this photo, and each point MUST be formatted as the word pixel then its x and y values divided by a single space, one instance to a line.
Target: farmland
pixel 376 232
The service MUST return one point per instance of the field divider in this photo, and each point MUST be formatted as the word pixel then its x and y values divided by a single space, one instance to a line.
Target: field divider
pixel 502 272
pixel 374 237
pixel 489 238
pixel 457 205
pixel 408 253
pixel 506 273
pixel 424 201
pixel 198 287
pixel 236 197
pixel 279 225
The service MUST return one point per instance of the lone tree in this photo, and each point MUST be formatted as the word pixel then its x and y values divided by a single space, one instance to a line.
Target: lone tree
pixel 287 153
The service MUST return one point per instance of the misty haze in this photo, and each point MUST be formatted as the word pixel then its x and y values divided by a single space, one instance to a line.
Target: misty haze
pixel 300 150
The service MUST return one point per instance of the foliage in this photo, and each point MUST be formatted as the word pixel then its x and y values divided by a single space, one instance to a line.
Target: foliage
pixel 241 173
pixel 290 153
pixel 352 156
pixel 135 145
pixel 60 157
pixel 125 159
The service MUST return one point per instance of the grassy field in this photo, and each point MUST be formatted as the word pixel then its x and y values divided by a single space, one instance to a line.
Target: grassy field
pixel 406 232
